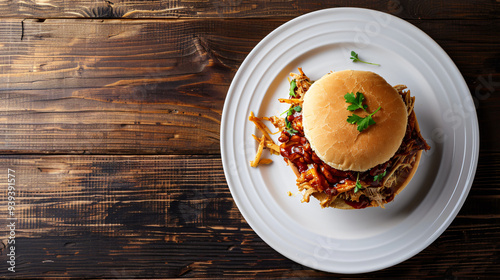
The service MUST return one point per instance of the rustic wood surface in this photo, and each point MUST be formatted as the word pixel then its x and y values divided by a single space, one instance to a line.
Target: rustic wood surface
pixel 424 9
pixel 110 116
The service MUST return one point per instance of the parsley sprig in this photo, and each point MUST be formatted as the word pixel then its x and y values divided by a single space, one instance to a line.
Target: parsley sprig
pixel 357 103
pixel 289 127
pixel 379 176
pixel 358 185
pixel 355 100
pixel 289 112
pixel 292 109
pixel 293 86
pixel 362 123
pixel 354 57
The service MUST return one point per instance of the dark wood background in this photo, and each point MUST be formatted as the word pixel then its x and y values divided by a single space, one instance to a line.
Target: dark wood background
pixel 110 115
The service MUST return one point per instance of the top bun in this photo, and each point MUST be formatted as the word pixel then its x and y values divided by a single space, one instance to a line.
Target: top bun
pixel 339 143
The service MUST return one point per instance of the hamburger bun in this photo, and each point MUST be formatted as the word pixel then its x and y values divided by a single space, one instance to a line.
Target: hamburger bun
pixel 339 143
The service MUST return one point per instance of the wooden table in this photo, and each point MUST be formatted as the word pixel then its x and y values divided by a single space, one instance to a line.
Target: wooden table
pixel 109 120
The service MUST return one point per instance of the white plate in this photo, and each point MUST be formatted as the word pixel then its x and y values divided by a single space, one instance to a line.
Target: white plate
pixel 364 240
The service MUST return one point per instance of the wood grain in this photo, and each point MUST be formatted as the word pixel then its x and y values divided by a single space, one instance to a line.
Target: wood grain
pixel 407 9
pixel 110 115
pixel 173 216
pixel 109 87
pixel 158 86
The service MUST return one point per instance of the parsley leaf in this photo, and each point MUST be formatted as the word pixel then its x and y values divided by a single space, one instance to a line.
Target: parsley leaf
pixel 289 127
pixel 354 119
pixel 293 85
pixel 354 57
pixel 290 110
pixel 358 185
pixel 379 176
pixel 362 123
pixel 355 100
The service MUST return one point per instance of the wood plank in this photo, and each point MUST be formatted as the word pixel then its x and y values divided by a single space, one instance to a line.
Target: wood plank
pixel 158 87
pixel 173 216
pixel 407 9
pixel 111 87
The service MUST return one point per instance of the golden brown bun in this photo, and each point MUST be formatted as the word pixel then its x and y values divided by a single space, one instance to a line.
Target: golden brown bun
pixel 337 142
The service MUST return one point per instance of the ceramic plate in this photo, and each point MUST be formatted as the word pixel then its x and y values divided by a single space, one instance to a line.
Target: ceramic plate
pixel 351 241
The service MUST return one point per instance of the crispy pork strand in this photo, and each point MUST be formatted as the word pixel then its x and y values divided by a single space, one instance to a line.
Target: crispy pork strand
pixel 264 142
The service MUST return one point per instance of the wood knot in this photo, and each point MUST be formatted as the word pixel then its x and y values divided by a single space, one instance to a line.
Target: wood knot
pixel 103 9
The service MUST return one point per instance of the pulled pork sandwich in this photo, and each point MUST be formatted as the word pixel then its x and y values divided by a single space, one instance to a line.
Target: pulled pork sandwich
pixel 352 139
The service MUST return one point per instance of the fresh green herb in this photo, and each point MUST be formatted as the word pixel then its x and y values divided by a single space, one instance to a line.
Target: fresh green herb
pixel 358 185
pixel 379 176
pixel 355 100
pixel 289 127
pixel 290 110
pixel 293 85
pixel 291 131
pixel 354 57
pixel 362 123
pixel 357 103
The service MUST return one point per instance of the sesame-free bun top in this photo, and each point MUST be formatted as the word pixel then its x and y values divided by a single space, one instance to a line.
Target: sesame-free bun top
pixel 339 143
